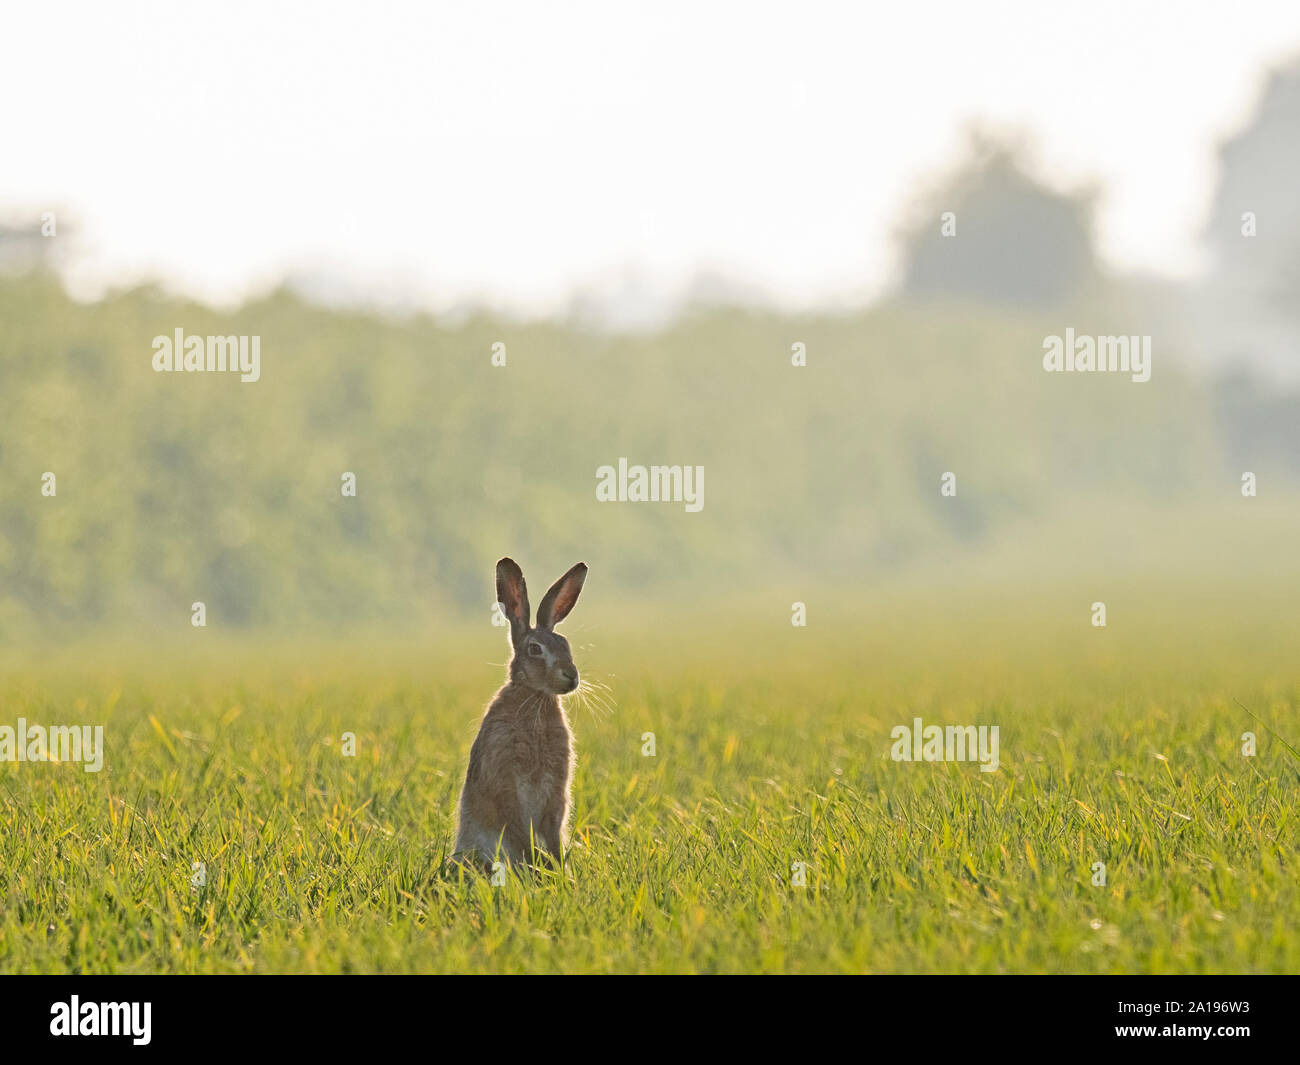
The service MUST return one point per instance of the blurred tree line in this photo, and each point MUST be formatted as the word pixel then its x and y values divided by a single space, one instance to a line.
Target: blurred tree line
pixel 174 488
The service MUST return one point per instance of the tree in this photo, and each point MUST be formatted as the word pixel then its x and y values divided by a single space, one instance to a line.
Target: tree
pixel 1008 239
pixel 1254 227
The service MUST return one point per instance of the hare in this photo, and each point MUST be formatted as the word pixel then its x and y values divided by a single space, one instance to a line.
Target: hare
pixel 516 796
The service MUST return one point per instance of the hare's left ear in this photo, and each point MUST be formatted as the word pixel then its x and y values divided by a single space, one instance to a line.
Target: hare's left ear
pixel 512 594
pixel 559 600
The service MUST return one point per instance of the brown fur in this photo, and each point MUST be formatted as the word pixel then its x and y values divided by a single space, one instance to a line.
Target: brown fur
pixel 516 800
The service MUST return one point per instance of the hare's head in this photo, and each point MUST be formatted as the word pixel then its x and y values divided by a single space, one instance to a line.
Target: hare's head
pixel 542 658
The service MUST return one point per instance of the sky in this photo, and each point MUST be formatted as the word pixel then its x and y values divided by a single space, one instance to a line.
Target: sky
pixel 513 154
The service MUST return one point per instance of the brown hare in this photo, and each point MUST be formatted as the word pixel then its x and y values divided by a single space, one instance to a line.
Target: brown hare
pixel 515 803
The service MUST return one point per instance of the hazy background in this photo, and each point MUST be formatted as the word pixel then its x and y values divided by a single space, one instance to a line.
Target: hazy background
pixel 648 205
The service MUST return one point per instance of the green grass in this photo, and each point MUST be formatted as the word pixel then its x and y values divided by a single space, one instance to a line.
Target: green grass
pixel 772 748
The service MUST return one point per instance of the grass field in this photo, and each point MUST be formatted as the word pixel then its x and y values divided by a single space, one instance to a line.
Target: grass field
pixel 772 748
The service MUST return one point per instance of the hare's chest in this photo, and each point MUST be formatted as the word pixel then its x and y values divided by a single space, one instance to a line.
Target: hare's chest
pixel 535 795
pixel 543 779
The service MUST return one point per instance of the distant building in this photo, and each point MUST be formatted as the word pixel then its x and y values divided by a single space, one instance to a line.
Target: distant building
pixel 23 248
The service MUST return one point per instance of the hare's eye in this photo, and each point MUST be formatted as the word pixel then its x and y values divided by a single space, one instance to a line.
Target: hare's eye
pixel 534 650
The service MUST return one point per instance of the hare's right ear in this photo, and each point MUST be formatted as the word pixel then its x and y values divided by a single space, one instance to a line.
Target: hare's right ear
pixel 557 603
pixel 512 594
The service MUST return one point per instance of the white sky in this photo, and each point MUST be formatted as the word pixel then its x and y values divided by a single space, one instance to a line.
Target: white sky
pixel 509 153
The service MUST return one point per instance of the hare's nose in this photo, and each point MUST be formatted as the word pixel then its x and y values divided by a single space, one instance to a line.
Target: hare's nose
pixel 570 673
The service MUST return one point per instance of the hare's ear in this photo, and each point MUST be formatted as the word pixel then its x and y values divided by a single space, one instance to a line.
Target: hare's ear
pixel 560 599
pixel 512 594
